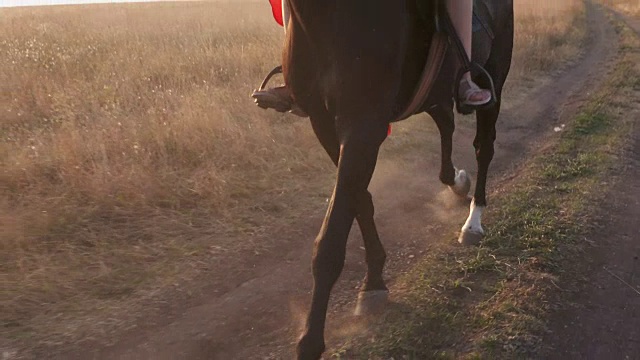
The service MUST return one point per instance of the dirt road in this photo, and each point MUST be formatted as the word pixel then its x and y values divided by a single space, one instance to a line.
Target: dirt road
pixel 603 320
pixel 255 313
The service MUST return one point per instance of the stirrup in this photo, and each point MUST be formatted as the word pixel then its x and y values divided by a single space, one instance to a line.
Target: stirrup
pixel 472 89
pixel 466 109
pixel 268 99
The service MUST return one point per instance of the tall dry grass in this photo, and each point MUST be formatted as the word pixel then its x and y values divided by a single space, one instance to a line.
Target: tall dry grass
pixel 130 147
pixel 131 153
pixel 548 33
pixel 628 7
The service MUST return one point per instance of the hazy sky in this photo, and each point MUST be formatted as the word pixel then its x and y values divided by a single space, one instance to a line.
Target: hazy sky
pixel 5 3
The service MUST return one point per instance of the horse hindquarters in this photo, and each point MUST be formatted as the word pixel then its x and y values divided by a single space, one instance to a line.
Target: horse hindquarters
pixel 367 64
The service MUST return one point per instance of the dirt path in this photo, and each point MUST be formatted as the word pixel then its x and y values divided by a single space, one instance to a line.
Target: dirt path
pixel 257 312
pixel 603 322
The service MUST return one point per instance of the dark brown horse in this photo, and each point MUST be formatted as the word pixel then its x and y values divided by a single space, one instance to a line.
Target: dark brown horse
pixel 352 65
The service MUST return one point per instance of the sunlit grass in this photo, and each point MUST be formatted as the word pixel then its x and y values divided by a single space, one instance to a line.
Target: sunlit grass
pixel 129 145
pixel 629 7
pixel 547 34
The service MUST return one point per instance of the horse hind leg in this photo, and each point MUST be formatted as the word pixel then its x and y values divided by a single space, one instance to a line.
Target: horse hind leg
pixel 373 294
pixel 356 160
pixel 458 180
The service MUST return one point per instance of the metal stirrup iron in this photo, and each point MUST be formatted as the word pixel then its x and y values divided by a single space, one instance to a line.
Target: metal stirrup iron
pixel 467 66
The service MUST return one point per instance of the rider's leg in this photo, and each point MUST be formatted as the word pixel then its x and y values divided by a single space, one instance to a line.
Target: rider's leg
pixel 279 98
pixel 461 13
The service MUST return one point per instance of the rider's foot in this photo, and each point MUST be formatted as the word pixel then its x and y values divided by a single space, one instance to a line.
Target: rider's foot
pixel 471 94
pixel 279 99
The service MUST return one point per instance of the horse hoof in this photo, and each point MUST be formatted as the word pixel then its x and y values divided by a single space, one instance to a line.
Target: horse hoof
pixel 371 302
pixel 310 348
pixel 470 238
pixel 462 184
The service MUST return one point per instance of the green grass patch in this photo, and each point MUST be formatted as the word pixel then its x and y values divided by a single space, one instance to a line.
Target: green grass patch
pixel 493 301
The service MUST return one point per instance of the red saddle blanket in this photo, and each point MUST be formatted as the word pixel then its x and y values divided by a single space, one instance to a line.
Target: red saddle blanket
pixel 276 7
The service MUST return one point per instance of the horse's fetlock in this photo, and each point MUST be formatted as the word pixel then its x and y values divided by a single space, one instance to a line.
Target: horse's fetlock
pixel 310 347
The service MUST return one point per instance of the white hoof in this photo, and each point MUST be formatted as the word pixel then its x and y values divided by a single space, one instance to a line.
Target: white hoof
pixel 469 238
pixel 371 302
pixel 472 231
pixel 462 184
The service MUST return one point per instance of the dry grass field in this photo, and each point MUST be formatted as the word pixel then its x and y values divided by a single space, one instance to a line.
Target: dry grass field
pixel 132 156
pixel 629 7
pixel 547 34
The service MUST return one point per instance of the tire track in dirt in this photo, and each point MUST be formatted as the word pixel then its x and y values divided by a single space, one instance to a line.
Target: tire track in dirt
pixel 257 313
